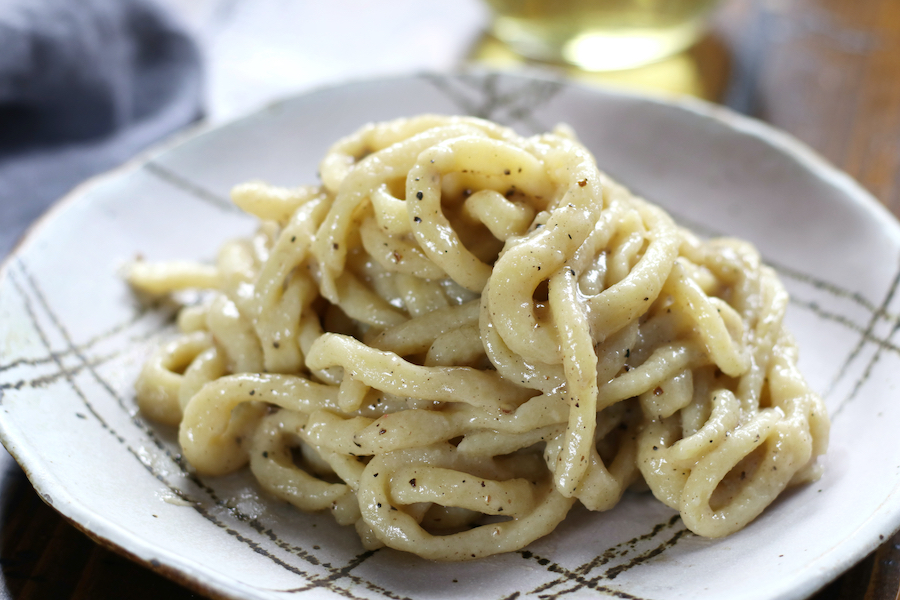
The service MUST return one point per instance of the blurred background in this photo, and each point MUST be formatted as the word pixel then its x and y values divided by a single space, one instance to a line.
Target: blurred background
pixel 87 84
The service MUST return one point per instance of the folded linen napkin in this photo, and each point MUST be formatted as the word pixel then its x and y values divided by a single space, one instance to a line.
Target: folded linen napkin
pixel 84 85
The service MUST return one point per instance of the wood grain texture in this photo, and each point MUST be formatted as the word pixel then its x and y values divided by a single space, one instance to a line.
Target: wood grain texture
pixel 826 71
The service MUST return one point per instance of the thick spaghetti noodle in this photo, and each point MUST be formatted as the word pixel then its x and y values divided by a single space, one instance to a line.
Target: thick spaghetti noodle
pixel 462 332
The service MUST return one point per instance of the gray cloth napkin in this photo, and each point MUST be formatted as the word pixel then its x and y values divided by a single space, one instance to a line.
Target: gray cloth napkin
pixel 84 85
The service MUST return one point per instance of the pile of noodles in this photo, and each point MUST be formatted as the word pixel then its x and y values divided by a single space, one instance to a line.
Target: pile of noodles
pixel 461 332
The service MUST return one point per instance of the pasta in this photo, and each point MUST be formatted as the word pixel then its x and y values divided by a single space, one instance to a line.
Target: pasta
pixel 462 332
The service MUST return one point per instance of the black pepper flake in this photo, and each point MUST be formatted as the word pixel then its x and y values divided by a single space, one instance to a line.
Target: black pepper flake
pixel 655 448
pixel 627 352
pixel 412 482
pixel 382 432
pixel 252 392
pixel 265 454
pixel 293 238
pixel 375 475
pixel 417 219
pixel 335 245
pixel 506 171
pixel 379 505
pixel 645 299
pixel 276 345
pixel 420 195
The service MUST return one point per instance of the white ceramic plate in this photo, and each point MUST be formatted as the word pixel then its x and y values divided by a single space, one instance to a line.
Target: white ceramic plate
pixel 72 338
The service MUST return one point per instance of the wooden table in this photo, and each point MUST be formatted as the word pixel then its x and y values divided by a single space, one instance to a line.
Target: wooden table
pixel 827 71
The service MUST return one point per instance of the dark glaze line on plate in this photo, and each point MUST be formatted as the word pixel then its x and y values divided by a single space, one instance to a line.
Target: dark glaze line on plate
pixel 143 428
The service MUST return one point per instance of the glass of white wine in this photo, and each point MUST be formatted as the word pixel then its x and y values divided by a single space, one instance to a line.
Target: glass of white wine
pixel 600 35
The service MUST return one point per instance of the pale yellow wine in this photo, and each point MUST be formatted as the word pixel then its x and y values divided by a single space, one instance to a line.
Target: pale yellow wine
pixel 599 34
